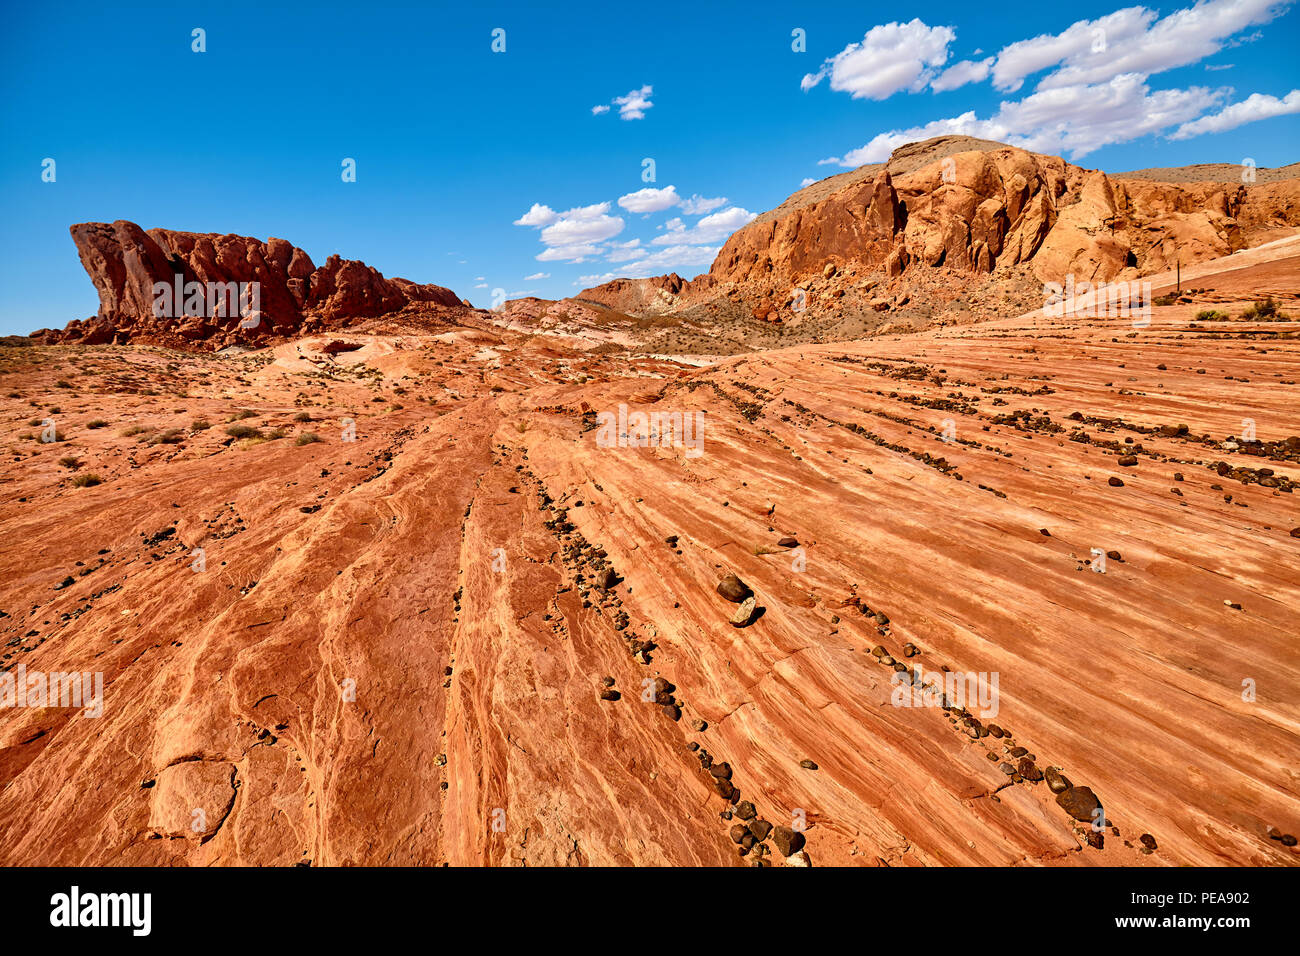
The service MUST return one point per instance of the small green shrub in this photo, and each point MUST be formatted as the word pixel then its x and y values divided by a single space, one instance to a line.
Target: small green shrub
pixel 1267 309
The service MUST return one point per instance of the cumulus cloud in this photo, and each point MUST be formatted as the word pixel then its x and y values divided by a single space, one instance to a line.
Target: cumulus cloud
pixel 623 251
pixel 537 275
pixel 1132 40
pixel 657 263
pixel 585 232
pixel 1074 120
pixel 576 253
pixel 1257 106
pixel 806 181
pixel 585 224
pixel 710 229
pixel 650 199
pixel 891 57
pixel 538 215
pixel 634 104
pixel 959 74
pixel 1093 87
pixel 698 205
pixel 573 235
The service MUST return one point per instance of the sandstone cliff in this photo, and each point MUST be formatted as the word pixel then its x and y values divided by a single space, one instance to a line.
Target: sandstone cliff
pixel 977 208
pixel 293 294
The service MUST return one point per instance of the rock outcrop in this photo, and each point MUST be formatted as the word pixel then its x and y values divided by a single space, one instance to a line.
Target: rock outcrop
pixel 983 209
pixel 638 296
pixel 974 208
pixel 291 294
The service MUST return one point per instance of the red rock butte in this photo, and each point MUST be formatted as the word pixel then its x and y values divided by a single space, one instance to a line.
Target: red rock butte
pixel 126 262
pixel 946 578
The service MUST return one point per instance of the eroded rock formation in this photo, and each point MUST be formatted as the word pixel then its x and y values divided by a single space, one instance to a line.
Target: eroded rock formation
pixel 293 294
pixel 975 208
pixel 983 209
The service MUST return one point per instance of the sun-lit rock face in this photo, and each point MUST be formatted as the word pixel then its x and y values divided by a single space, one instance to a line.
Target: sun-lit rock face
pixel 978 210
pixel 127 264
pixel 970 208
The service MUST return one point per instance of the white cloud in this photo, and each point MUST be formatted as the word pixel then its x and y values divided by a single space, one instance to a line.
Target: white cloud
pixel 597 110
pixel 959 74
pixel 481 285
pixel 538 215
pixel 480 278
pixel 698 205
pixel 890 58
pixel 624 251
pixel 806 181
pixel 1131 40
pixel 664 260
pixel 576 253
pixel 537 275
pixel 583 225
pixel 650 199
pixel 571 236
pixel 635 103
pixel 1257 106
pixel 1094 88
pixel 1074 120
pixel 710 229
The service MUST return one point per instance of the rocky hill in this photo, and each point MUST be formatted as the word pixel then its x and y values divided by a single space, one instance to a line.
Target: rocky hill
pixel 982 215
pixel 294 295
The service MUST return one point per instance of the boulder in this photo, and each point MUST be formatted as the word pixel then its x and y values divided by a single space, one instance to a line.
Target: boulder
pixel 745 614
pixel 1080 803
pixel 787 841
pixel 1057 782
pixel 733 589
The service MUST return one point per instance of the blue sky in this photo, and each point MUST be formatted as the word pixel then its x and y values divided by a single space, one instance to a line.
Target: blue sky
pixel 488 171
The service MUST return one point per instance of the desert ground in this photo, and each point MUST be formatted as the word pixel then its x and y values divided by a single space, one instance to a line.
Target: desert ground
pixel 384 598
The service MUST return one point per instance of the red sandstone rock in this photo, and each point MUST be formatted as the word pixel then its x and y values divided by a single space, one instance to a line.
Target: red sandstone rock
pixel 388 659
pixel 124 262
pixel 974 207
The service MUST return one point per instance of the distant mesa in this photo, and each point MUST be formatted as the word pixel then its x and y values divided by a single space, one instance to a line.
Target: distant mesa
pixel 161 286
